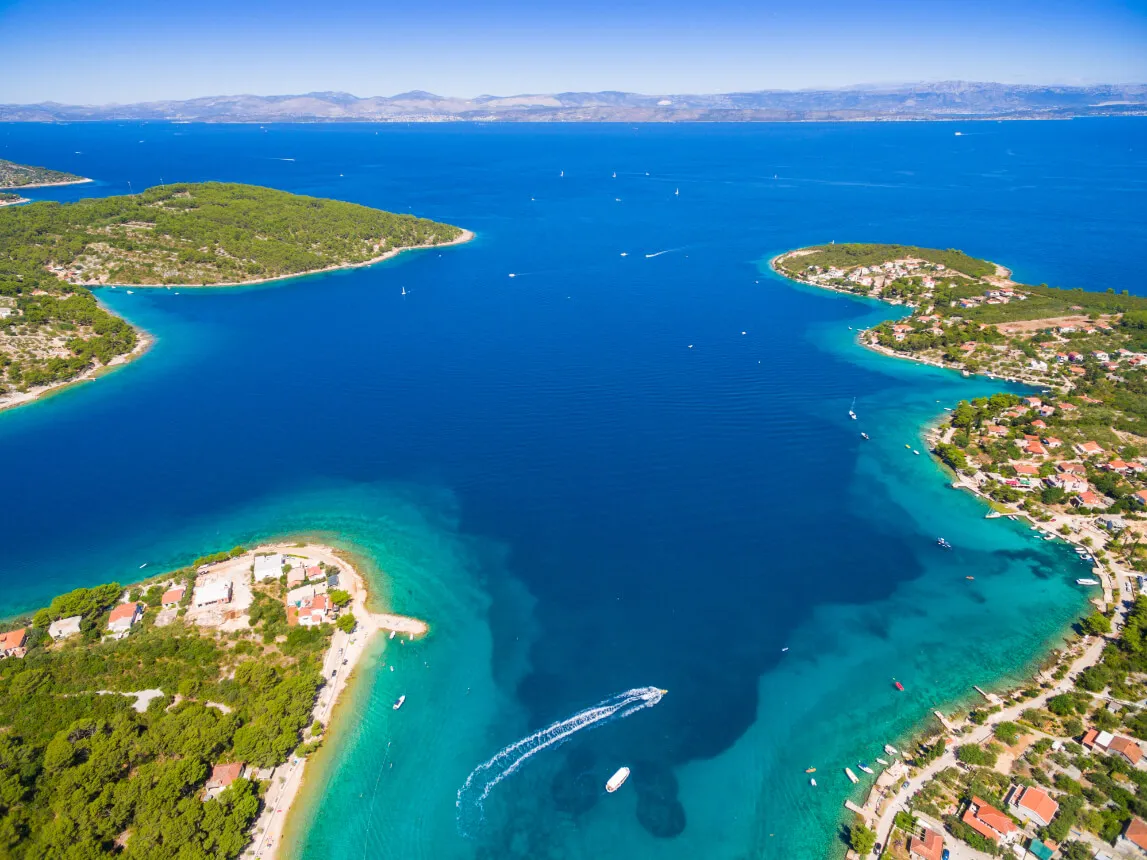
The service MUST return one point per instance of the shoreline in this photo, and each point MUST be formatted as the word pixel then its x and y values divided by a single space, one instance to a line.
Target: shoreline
pixel 14 188
pixel 341 659
pixel 880 807
pixel 146 339
pixel 15 202
pixel 461 239
pixel 21 398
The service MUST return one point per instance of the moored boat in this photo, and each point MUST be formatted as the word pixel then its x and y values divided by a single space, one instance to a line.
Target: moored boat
pixel 812 782
pixel 852 776
pixel 891 750
pixel 899 686
pixel 617 780
pixel 398 704
pixel 1087 580
pixel 864 767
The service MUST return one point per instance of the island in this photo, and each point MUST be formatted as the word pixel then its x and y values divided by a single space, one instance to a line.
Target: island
pixel 13 175
pixel 174 717
pixel 1055 764
pixel 7 198
pixel 53 331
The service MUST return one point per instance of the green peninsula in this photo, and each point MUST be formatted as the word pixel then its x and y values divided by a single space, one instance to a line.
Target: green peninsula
pixel 53 331
pixel 13 175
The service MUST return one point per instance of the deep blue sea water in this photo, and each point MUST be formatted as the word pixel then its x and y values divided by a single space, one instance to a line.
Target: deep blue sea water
pixel 606 472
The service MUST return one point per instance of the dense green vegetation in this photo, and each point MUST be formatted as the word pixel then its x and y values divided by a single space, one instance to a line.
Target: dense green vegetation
pixel 8 197
pixel 855 254
pixel 177 234
pixel 83 775
pixel 13 175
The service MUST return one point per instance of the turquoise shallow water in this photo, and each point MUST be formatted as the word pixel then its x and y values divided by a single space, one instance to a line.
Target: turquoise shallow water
pixel 576 500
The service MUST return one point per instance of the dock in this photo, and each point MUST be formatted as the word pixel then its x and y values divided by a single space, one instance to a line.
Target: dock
pixel 944 721
pixel 859 810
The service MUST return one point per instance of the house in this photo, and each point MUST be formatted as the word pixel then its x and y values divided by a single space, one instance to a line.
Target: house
pixel 315 572
pixel 1047 410
pixel 1033 402
pixel 1033 804
pixel 1087 449
pixel 310 613
pixel 1035 448
pixel 1088 499
pixel 1068 407
pixel 65 627
pixel 212 592
pixel 1141 497
pixel 1134 838
pixel 173 596
pixel 1026 469
pixel 124 616
pixel 988 821
pixel 929 845
pixel 12 643
pixel 1117 466
pixel 268 566
pixel 1100 355
pixel 997 430
pixel 1072 468
pixel 1068 483
pixel 1052 443
pixel 296 576
pixel 1113 744
pixel 222 775
pixel 1039 424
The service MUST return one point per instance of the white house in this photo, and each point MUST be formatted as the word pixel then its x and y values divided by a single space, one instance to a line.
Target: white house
pixel 124 616
pixel 211 592
pixel 268 567
pixel 64 628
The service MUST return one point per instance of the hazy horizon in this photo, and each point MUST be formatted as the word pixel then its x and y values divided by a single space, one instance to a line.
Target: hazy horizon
pixel 133 52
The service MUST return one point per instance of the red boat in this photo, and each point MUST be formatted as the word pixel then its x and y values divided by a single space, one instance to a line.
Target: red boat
pixel 899 686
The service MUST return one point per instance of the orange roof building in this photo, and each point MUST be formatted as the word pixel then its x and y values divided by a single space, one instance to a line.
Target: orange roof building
pixel 1034 805
pixel 173 596
pixel 988 821
pixel 930 846
pixel 1135 834
pixel 12 642
pixel 124 616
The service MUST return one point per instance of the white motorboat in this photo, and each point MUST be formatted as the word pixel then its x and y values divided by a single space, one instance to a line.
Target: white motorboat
pixel 852 776
pixel 398 704
pixel 617 780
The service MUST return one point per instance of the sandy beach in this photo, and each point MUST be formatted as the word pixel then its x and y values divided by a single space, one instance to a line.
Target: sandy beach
pixel 339 664
pixel 15 202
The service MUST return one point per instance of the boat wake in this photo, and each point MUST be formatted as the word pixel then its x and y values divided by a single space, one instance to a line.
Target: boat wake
pixel 478 785
pixel 659 253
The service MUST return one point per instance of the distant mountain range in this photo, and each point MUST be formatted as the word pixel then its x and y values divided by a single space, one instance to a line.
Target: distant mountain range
pixel 932 101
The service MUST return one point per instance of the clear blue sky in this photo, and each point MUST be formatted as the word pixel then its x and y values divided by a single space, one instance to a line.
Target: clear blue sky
pixel 99 51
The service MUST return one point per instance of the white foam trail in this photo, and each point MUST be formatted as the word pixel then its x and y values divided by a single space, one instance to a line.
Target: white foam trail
pixel 485 776
pixel 659 253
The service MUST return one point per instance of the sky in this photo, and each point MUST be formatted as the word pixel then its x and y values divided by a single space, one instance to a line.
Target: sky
pixel 85 52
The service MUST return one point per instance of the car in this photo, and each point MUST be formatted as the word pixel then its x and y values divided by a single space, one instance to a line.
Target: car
pixel 945 854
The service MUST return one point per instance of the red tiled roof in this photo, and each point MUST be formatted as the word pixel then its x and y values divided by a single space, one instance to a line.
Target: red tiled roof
pixel 13 639
pixel 1127 747
pixel 987 820
pixel 931 847
pixel 1026 469
pixel 223 775
pixel 1137 832
pixel 1090 736
pixel 173 595
pixel 1039 802
pixel 124 610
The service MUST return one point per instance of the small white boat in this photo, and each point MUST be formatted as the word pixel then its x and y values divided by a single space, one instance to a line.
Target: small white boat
pixel 625 253
pixel 615 174
pixel 914 451
pixel 560 175
pixel 865 768
pixel 852 776
pixel 399 703
pixel 391 634
pixel 142 566
pixel 891 750
pixel 1087 580
pixel 882 761
pixel 864 436
pixel 404 291
pixel 617 780
pixel 130 293
pixel 812 782
pixel 677 193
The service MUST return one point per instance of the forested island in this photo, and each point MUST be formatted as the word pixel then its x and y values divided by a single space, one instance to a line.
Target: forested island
pixel 13 175
pixel 171 718
pixel 52 330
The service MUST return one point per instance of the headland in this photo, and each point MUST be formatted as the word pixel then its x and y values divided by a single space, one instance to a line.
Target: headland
pixel 54 332
pixel 219 678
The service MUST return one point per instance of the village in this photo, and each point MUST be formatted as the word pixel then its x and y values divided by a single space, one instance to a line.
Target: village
pixel 1055 768
pixel 227 595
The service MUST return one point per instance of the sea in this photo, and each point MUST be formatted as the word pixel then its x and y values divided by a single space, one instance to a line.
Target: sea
pixel 601 449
